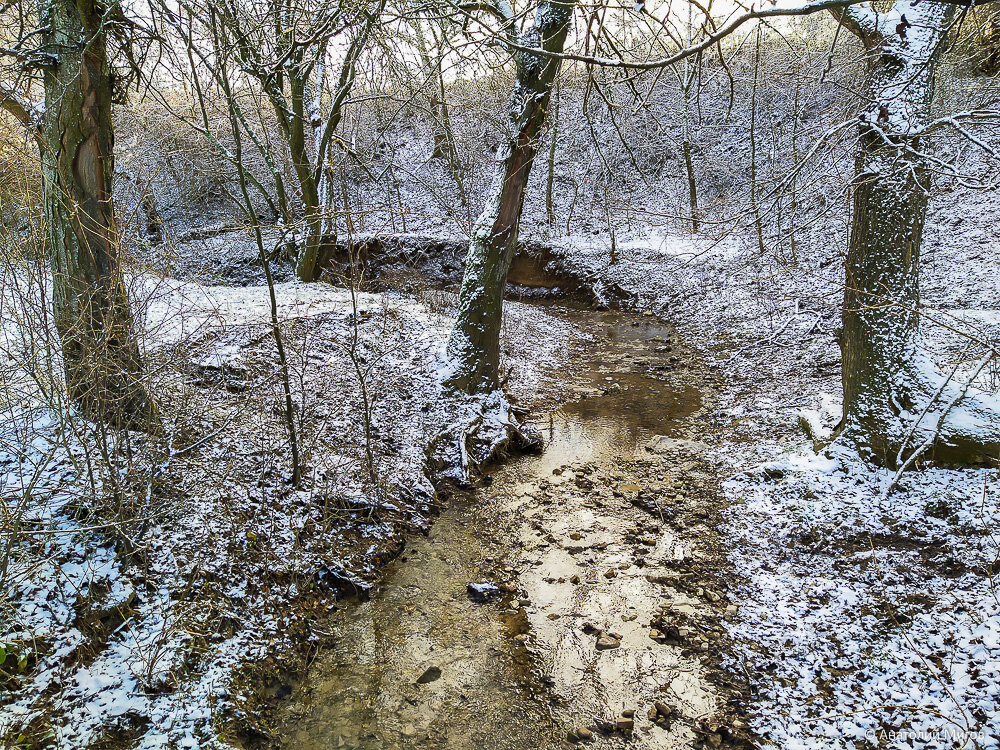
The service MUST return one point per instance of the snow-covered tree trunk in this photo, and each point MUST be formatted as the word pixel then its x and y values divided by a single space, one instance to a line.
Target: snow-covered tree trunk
pixel 895 400
pixel 474 344
pixel 103 367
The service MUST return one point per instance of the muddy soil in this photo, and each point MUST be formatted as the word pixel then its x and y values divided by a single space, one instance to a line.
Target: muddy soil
pixel 598 618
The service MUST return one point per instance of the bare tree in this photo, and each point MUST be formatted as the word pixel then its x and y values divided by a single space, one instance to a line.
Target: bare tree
pixel 887 380
pixel 73 129
pixel 474 345
pixel 285 46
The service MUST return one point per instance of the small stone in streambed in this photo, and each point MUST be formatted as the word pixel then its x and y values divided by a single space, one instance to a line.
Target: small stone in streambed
pixel 606 642
pixel 629 713
pixel 625 724
pixel 584 734
pixel 430 675
pixel 482 592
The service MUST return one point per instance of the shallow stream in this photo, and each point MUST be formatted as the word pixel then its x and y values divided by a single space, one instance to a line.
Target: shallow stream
pixel 422 665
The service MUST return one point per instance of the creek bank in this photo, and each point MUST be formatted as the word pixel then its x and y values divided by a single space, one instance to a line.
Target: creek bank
pixel 608 621
pixel 408 263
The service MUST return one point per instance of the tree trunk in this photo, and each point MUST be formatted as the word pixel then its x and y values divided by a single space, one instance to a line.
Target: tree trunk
pixel 881 294
pixel 691 180
pixel 474 345
pixel 101 357
pixel 897 404
pixel 550 179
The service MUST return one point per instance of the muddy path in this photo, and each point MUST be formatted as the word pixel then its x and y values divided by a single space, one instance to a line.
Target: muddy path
pixel 598 618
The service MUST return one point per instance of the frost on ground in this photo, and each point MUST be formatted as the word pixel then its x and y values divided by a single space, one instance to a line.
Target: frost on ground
pixel 867 617
pixel 863 613
pixel 154 588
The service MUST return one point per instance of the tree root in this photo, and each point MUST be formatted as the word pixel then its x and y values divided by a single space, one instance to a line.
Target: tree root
pixel 946 421
pixel 486 430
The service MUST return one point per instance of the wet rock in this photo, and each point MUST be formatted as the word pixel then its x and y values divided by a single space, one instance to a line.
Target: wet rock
pixel 629 713
pixel 606 641
pixel 580 734
pixel 712 596
pixel 430 675
pixel 661 714
pixel 482 592
pixel 662 444
pixel 575 580
pixel 625 724
pixel 610 573
pixel 576 536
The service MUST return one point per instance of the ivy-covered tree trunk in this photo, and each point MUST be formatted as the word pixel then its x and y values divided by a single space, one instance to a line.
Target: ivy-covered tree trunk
pixel 101 359
pixel 896 402
pixel 474 344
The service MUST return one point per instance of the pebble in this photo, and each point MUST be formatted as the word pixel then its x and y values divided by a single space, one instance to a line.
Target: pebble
pixel 430 675
pixel 606 642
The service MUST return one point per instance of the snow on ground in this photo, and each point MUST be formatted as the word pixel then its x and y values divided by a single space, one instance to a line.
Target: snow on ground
pixel 866 616
pixel 150 595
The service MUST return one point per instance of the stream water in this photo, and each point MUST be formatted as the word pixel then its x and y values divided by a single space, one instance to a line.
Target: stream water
pixel 422 665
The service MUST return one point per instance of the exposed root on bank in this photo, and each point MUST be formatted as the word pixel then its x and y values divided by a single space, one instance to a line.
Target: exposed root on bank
pixel 485 428
pixel 931 416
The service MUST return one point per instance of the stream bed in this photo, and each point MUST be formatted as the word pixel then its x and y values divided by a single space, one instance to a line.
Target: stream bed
pixel 576 541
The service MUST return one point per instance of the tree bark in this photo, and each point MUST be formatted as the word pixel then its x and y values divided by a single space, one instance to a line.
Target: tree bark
pixel 881 293
pixel 896 402
pixel 101 358
pixel 474 344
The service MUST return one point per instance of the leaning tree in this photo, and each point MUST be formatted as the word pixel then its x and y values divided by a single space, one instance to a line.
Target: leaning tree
pixel 68 43
pixel 474 344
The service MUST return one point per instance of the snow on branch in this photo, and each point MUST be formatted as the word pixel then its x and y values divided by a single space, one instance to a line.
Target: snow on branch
pixel 28 113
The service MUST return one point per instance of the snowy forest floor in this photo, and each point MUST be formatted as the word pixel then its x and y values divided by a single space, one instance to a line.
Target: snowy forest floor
pixel 854 614
pixel 861 614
